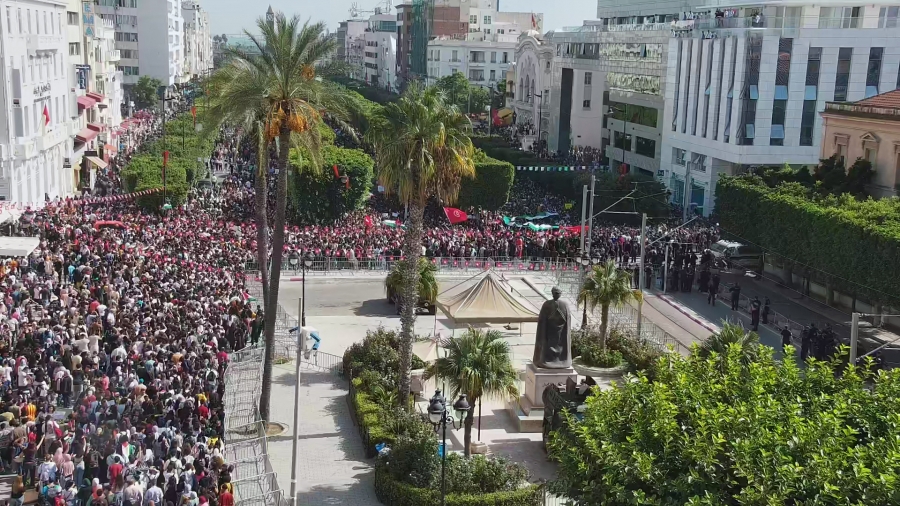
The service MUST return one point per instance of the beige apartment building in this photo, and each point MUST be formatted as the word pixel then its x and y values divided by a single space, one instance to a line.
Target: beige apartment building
pixel 869 129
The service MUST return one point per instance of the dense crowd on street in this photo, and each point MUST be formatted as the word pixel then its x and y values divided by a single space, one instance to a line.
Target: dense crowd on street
pixel 515 136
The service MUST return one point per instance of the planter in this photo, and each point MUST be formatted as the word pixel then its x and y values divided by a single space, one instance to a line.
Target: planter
pixel 599 373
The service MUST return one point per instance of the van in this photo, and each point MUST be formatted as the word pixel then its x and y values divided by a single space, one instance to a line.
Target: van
pixel 734 255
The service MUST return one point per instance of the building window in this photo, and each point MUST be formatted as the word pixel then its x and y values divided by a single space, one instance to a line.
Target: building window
pixel 473 19
pixel 839 17
pixel 9 19
pixel 586 104
pixel 810 96
pixel 622 141
pixel 873 72
pixel 645 147
pixel 588 78
pixel 74 49
pixel 493 75
pixel 887 17
pixel 476 75
pixel 638 114
pixel 505 57
pixel 437 55
pixel 750 94
pixel 779 106
pixel 842 77
pixel 72 18
pixel 487 20
pixel 455 56
pixel 678 156
pixel 547 67
pixel 493 56
pixel 871 153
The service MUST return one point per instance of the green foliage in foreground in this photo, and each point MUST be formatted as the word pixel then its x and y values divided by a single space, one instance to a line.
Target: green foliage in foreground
pixel 708 433
pixel 490 187
pixel 853 240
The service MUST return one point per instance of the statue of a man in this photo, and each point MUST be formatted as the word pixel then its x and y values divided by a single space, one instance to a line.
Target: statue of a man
pixel 552 345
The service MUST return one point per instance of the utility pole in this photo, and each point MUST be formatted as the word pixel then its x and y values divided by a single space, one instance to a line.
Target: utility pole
pixel 590 231
pixel 584 201
pixel 641 274
pixel 301 341
pixel 854 337
pixel 687 190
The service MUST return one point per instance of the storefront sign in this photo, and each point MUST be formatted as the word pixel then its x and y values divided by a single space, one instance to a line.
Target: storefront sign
pixel 634 82
pixel 87 18
pixel 41 91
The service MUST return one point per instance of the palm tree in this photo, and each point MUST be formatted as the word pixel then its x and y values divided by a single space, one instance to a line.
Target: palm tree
pixel 422 150
pixel 730 335
pixel 477 364
pixel 606 286
pixel 278 87
pixel 428 285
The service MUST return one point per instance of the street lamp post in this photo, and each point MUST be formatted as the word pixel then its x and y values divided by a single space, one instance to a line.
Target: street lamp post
pixel 439 415
pixel 307 263
pixel 540 116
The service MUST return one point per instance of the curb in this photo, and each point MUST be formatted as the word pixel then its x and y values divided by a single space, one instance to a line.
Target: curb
pixel 692 315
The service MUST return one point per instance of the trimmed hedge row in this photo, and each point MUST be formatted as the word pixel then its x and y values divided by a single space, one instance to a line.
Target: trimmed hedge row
pixel 490 188
pixel 497 147
pixel 857 242
pixel 319 198
pixel 394 493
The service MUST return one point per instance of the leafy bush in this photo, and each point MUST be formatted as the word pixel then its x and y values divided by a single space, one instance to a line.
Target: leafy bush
pixel 321 197
pixel 487 475
pixel 378 353
pixel 703 434
pixel 838 235
pixel 490 188
pixel 397 493
pixel 638 354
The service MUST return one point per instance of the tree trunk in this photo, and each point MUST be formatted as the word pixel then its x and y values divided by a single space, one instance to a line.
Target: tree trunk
pixel 584 317
pixel 409 295
pixel 604 323
pixel 275 271
pixel 262 220
pixel 467 433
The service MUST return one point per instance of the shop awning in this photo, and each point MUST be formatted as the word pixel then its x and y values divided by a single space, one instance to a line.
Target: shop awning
pixel 95 126
pixel 109 148
pixel 86 102
pixel 96 96
pixel 85 134
pixel 97 161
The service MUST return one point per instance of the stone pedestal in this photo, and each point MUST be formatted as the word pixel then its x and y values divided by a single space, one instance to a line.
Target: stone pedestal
pixel 536 379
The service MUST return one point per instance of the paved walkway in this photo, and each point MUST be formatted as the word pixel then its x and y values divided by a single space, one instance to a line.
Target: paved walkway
pixel 332 467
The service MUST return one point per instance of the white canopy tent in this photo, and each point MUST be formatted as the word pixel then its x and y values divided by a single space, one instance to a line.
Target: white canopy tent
pixel 487 301
pixel 18 246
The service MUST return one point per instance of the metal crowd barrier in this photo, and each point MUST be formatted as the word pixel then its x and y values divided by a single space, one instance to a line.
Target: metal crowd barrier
pixel 323 265
pixel 246 448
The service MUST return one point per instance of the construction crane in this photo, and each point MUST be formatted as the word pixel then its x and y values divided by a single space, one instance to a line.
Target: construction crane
pixel 380 8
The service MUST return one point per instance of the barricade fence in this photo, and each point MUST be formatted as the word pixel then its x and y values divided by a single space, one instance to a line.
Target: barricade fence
pixel 246 447
pixel 323 265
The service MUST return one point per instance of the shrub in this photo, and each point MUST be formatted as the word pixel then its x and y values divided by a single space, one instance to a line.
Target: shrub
pixel 332 199
pixel 639 355
pixel 490 188
pixel 390 491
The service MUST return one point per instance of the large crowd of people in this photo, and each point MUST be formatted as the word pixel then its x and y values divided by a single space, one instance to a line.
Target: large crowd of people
pixel 114 339
pixel 524 136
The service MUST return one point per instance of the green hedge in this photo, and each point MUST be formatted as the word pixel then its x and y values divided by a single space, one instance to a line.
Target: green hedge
pixel 395 493
pixel 144 170
pixel 497 147
pixel 377 95
pixel 318 198
pixel 491 185
pixel 857 242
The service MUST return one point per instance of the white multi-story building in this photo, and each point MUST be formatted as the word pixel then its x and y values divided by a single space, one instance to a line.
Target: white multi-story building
pixel 380 51
pixel 484 63
pixel 745 85
pixel 149 36
pixel 527 80
pixel 34 92
pixel 197 39
pixel 487 22
pixel 347 32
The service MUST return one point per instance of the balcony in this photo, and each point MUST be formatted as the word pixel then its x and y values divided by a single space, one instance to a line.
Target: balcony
pixel 114 55
pixel 40 43
pixel 476 63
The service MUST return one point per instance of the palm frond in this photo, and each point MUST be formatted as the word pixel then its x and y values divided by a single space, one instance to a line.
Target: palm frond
pixel 478 365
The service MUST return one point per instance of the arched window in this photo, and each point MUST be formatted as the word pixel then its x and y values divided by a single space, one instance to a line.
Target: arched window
pixel 532 92
pixel 527 88
pixel 521 91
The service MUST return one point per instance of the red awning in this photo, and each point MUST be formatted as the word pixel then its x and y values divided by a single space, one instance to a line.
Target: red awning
pixel 85 134
pixel 95 126
pixel 86 102
pixel 109 148
pixel 96 96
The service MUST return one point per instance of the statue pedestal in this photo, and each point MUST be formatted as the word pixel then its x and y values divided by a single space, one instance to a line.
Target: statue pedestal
pixel 528 410
pixel 537 378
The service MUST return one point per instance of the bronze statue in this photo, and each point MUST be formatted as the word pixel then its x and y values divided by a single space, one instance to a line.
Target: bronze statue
pixel 552 343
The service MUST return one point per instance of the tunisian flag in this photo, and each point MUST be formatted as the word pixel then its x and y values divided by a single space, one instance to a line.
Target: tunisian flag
pixel 455 215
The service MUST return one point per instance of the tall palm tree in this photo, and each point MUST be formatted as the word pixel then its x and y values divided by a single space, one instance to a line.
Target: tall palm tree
pixel 732 334
pixel 478 365
pixel 422 150
pixel 278 86
pixel 606 286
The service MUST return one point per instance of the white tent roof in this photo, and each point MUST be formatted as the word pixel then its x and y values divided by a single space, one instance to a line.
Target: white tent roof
pixel 485 302
pixel 18 246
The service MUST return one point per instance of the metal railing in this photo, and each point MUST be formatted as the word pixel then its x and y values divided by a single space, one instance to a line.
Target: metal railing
pixel 246 446
pixel 324 265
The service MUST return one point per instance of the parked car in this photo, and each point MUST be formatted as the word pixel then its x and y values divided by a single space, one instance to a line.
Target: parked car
pixel 734 255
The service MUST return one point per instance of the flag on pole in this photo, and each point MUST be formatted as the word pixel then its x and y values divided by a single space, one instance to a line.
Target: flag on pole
pixel 46 115
pixel 455 215
pixel 533 22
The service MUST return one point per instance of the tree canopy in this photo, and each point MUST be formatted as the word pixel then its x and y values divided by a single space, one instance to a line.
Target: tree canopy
pixel 768 434
pixel 144 92
pixel 467 97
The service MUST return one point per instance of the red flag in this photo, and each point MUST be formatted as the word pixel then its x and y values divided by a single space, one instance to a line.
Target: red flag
pixel 46 115
pixel 165 158
pixel 368 222
pixel 455 215
pixel 533 22
pixel 336 173
pixel 194 112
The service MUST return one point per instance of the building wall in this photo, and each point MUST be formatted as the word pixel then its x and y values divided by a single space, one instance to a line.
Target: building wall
pixel 851 136
pixel 709 139
pixel 34 76
pixel 441 64
pixel 161 40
